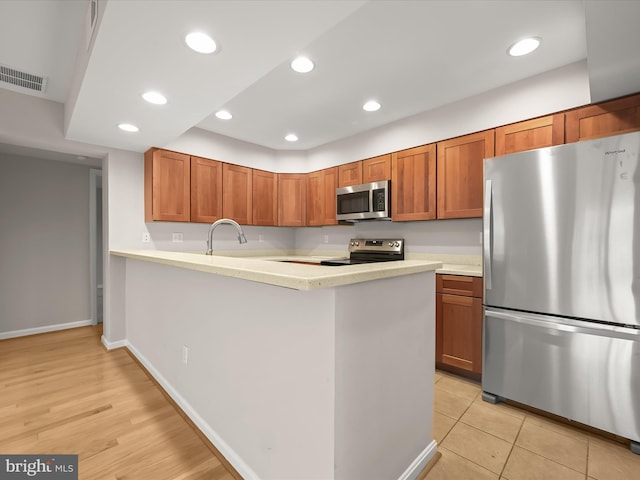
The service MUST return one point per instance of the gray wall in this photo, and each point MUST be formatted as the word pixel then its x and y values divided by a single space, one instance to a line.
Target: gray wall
pixel 44 243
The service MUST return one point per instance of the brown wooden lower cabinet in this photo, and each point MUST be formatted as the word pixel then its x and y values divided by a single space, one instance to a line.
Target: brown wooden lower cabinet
pixel 459 324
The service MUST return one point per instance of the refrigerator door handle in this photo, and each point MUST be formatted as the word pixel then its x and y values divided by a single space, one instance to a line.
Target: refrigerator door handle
pixel 486 237
pixel 567 325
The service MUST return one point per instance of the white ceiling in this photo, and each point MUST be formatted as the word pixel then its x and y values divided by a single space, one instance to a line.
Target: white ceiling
pixel 411 56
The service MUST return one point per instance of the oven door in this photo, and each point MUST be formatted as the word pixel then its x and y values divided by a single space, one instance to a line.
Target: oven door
pixel 363 202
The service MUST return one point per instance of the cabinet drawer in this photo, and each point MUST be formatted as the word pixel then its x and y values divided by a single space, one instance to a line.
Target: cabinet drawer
pixel 459 285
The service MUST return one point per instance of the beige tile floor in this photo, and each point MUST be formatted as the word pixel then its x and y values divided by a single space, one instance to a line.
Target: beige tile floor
pixel 481 441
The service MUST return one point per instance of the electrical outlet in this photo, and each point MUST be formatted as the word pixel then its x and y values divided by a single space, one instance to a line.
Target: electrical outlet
pixel 176 237
pixel 185 354
pixel 146 237
pixel 260 238
pixel 326 239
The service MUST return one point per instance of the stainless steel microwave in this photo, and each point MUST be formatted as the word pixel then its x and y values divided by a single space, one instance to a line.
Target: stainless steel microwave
pixel 368 201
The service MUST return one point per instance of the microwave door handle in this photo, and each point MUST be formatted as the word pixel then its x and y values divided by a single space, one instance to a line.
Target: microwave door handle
pixel 370 206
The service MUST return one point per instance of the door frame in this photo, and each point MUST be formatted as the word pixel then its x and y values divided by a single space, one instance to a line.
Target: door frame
pixel 95 180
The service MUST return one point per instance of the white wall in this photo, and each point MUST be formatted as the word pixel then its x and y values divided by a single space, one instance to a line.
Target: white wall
pixel 550 92
pixel 225 237
pixel 292 384
pixel 385 355
pixel 38 123
pixel 260 373
pixel 456 237
pixel 44 244
pixel 202 143
pixel 561 89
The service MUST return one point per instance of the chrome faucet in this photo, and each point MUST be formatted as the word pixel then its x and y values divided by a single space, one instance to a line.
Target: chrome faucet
pixel 241 237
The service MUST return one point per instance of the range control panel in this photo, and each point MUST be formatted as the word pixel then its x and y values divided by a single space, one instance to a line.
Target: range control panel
pixel 379 245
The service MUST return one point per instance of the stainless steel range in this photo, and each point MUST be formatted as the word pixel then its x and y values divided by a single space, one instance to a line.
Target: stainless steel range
pixel 362 250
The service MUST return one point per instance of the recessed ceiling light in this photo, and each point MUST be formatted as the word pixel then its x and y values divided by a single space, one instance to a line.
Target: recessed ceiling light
pixel 200 42
pixel 224 115
pixel 524 46
pixel 154 97
pixel 127 127
pixel 302 65
pixel 292 137
pixel 371 106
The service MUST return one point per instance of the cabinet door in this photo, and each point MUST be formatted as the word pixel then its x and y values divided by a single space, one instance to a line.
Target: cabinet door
pixel 292 193
pixel 376 169
pixel 206 190
pixel 265 198
pixel 350 174
pixel 530 134
pixel 413 184
pixel 321 197
pixel 460 164
pixel 459 332
pixel 167 186
pixel 237 193
pixel 604 119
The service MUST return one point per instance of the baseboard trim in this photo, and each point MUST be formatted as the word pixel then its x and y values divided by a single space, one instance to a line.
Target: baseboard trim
pixel 45 329
pixel 414 471
pixel 113 345
pixel 225 450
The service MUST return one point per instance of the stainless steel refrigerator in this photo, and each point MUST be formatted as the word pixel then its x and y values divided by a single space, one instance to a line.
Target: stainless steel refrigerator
pixel 561 246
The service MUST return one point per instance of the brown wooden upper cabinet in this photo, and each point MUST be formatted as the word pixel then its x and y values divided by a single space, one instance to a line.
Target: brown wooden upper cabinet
pixel 321 197
pixel 166 186
pixel 265 198
pixel 292 193
pixel 460 164
pixel 530 134
pixel 603 119
pixel 206 190
pixel 413 184
pixel 237 193
pixel 350 174
pixel 376 169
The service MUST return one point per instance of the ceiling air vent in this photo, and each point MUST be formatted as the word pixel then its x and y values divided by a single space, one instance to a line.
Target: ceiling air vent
pixel 22 79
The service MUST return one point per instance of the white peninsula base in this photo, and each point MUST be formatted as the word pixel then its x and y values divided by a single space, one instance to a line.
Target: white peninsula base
pixel 329 384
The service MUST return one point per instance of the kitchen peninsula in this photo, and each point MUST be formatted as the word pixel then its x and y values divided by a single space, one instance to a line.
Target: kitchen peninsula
pixel 292 370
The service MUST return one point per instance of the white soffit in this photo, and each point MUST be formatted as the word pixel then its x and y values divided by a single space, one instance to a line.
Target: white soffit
pixel 140 46
pixel 613 46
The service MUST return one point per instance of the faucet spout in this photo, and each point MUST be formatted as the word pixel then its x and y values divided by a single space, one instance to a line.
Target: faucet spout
pixel 214 225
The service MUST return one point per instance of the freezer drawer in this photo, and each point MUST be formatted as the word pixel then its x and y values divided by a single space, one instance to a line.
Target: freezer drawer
pixel 585 372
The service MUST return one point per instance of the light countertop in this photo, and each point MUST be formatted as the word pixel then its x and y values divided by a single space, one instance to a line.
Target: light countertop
pixel 457 269
pixel 274 271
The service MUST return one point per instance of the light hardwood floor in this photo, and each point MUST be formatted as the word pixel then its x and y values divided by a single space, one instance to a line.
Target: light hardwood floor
pixel 61 392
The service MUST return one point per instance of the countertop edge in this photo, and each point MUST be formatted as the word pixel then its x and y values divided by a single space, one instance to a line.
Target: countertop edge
pixel 281 274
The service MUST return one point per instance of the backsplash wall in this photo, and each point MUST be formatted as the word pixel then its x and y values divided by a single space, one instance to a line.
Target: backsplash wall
pixel 225 237
pixel 456 237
